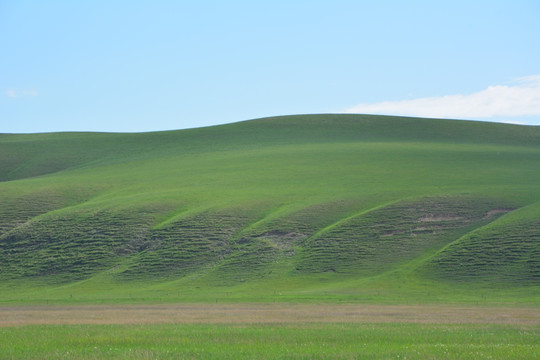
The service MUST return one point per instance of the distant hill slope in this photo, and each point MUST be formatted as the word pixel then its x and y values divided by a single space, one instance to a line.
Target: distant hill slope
pixel 37 154
pixel 293 197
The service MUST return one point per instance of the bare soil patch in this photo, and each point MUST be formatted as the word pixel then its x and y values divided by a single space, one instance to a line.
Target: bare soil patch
pixel 490 213
pixel 433 218
pixel 265 313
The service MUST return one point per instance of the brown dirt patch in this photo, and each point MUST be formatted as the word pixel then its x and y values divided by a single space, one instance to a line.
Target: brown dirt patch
pixel 433 218
pixel 493 212
pixel 265 313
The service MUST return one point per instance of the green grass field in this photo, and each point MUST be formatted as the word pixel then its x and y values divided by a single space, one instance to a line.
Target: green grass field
pixel 318 217
pixel 301 341
pixel 314 208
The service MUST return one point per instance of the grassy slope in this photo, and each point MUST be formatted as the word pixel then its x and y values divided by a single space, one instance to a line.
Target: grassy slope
pixel 303 207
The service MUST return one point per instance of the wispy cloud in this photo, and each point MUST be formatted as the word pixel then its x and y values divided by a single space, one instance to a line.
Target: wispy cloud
pixel 11 93
pixel 521 98
pixel 14 93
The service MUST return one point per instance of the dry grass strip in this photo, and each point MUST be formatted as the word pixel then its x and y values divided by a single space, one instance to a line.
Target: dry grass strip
pixel 265 313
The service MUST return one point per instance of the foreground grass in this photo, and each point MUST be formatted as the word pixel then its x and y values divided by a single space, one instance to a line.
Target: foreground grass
pixel 256 341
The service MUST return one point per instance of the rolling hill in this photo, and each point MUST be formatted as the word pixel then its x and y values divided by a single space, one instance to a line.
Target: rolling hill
pixel 352 207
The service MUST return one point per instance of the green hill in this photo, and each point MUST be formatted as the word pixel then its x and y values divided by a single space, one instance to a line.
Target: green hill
pixel 318 207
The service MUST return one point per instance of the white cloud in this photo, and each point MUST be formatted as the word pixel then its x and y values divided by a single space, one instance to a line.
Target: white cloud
pixel 522 98
pixel 13 93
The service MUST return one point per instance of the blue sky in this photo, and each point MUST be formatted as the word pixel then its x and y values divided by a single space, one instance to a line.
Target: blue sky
pixel 134 66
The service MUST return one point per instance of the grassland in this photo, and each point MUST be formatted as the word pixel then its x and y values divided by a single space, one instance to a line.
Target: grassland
pixel 318 208
pixel 300 237
pixel 255 331
pixel 300 341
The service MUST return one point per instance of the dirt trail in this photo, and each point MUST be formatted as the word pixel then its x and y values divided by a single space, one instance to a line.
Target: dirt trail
pixel 265 313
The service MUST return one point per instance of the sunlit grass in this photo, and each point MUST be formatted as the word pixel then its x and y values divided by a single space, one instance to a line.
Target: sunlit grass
pixel 304 208
pixel 292 341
